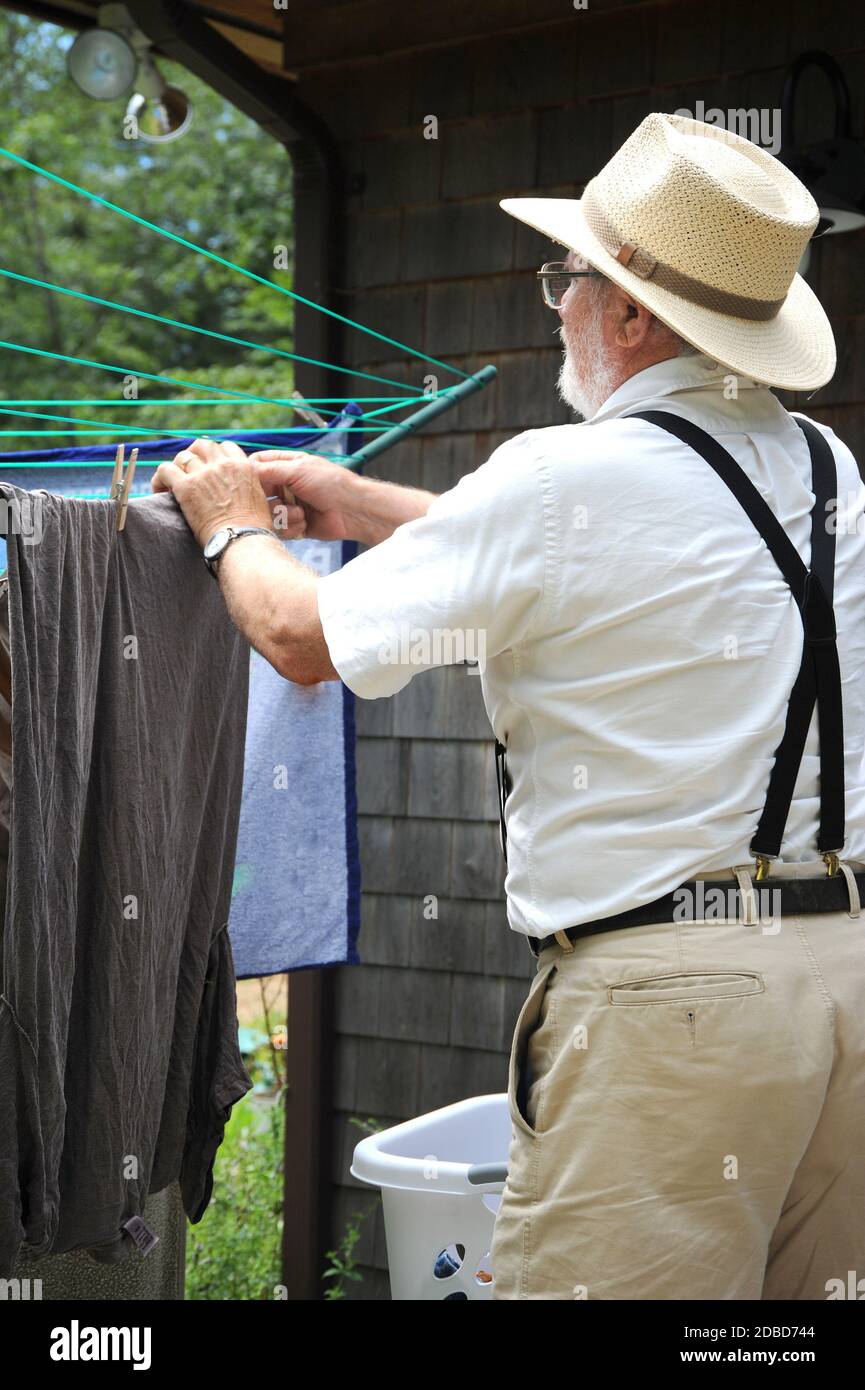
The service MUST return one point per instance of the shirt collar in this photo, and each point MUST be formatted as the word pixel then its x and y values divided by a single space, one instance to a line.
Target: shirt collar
pixel 693 372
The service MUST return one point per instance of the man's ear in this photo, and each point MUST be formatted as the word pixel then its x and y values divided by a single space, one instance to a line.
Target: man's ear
pixel 633 320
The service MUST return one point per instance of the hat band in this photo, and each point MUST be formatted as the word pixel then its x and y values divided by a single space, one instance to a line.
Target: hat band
pixel 666 277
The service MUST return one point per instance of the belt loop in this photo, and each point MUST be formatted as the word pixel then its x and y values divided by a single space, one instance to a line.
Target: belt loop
pixel 743 878
pixel 852 888
pixel 564 940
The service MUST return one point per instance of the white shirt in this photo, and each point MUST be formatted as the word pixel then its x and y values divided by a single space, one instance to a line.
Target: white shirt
pixel 640 641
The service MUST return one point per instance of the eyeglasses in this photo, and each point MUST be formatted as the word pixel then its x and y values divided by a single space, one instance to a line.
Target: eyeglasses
pixel 556 279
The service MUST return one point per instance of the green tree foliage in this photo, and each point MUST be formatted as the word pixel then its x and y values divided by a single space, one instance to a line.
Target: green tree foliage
pixel 225 185
pixel 236 1250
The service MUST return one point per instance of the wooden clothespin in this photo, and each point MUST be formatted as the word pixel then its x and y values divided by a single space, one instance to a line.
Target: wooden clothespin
pixel 121 482
pixel 306 412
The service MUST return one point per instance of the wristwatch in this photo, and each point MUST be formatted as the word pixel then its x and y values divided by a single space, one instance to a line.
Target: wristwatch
pixel 221 540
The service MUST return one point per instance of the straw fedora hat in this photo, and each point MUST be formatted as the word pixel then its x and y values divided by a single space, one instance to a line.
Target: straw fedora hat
pixel 706 230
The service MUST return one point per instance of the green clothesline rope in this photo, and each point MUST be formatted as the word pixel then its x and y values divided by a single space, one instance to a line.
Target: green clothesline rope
pixel 142 463
pixel 476 382
pixel 192 328
pixel 193 385
pixel 103 428
pixel 171 434
pixel 417 401
pixel 111 401
pixel 146 376
pixel 65 434
pixel 297 405
pixel 147 429
pixel 426 404
pixel 221 260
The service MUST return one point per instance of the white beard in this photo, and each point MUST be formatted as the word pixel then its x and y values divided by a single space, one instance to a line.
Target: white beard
pixel 587 381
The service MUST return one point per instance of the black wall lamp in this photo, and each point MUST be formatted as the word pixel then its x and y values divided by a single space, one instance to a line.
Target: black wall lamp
pixel 832 170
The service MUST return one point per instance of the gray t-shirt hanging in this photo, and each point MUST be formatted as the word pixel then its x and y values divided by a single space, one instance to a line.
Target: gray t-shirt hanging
pixel 119 1060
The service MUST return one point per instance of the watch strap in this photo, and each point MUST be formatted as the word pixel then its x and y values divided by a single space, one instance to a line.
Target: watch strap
pixel 234 533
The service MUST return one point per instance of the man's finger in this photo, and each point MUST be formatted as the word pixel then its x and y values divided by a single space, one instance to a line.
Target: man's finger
pixel 198 452
pixel 280 465
pixel 288 517
pixel 289 474
pixel 220 449
pixel 187 461
pixel 204 451
pixel 166 477
pixel 268 455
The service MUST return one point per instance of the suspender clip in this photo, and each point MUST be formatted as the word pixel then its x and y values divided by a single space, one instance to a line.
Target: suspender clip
pixel 830 859
pixel 764 867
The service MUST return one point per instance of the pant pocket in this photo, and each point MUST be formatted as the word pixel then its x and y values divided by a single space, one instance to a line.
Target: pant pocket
pixel 685 987
pixel 528 1021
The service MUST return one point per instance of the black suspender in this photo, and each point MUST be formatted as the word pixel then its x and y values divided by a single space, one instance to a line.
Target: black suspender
pixel 819 678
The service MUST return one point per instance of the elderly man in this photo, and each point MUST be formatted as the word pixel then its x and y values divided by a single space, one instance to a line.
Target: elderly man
pixel 670 597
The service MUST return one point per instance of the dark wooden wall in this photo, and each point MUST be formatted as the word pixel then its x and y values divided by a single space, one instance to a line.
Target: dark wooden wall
pixel 528 96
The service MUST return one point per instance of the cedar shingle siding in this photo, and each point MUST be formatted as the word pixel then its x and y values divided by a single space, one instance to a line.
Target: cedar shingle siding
pixel 528 96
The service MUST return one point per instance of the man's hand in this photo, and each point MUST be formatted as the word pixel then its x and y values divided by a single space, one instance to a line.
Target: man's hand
pixel 329 502
pixel 325 494
pixel 271 597
pixel 215 485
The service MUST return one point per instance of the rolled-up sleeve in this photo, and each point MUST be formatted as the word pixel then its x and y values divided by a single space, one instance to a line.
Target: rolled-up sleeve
pixel 465 582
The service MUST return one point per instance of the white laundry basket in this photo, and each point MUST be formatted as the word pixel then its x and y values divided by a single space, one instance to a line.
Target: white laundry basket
pixel 441 1178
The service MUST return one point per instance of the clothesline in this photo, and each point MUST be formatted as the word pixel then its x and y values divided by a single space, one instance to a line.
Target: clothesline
pixel 97 429
pixel 222 260
pixel 403 428
pixel 12 407
pixel 189 327
pixel 427 404
pixel 142 400
pixel 150 463
pixel 195 385
pixel 164 434
pixel 103 428
pixel 51 467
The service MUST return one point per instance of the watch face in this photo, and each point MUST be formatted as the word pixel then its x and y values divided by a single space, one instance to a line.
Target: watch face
pixel 216 543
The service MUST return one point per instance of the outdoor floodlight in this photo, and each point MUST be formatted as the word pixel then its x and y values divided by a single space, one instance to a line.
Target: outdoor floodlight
pixel 161 112
pixel 102 64
pixel 108 61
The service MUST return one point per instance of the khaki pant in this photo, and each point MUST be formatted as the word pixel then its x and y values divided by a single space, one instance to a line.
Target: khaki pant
pixel 688 1108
